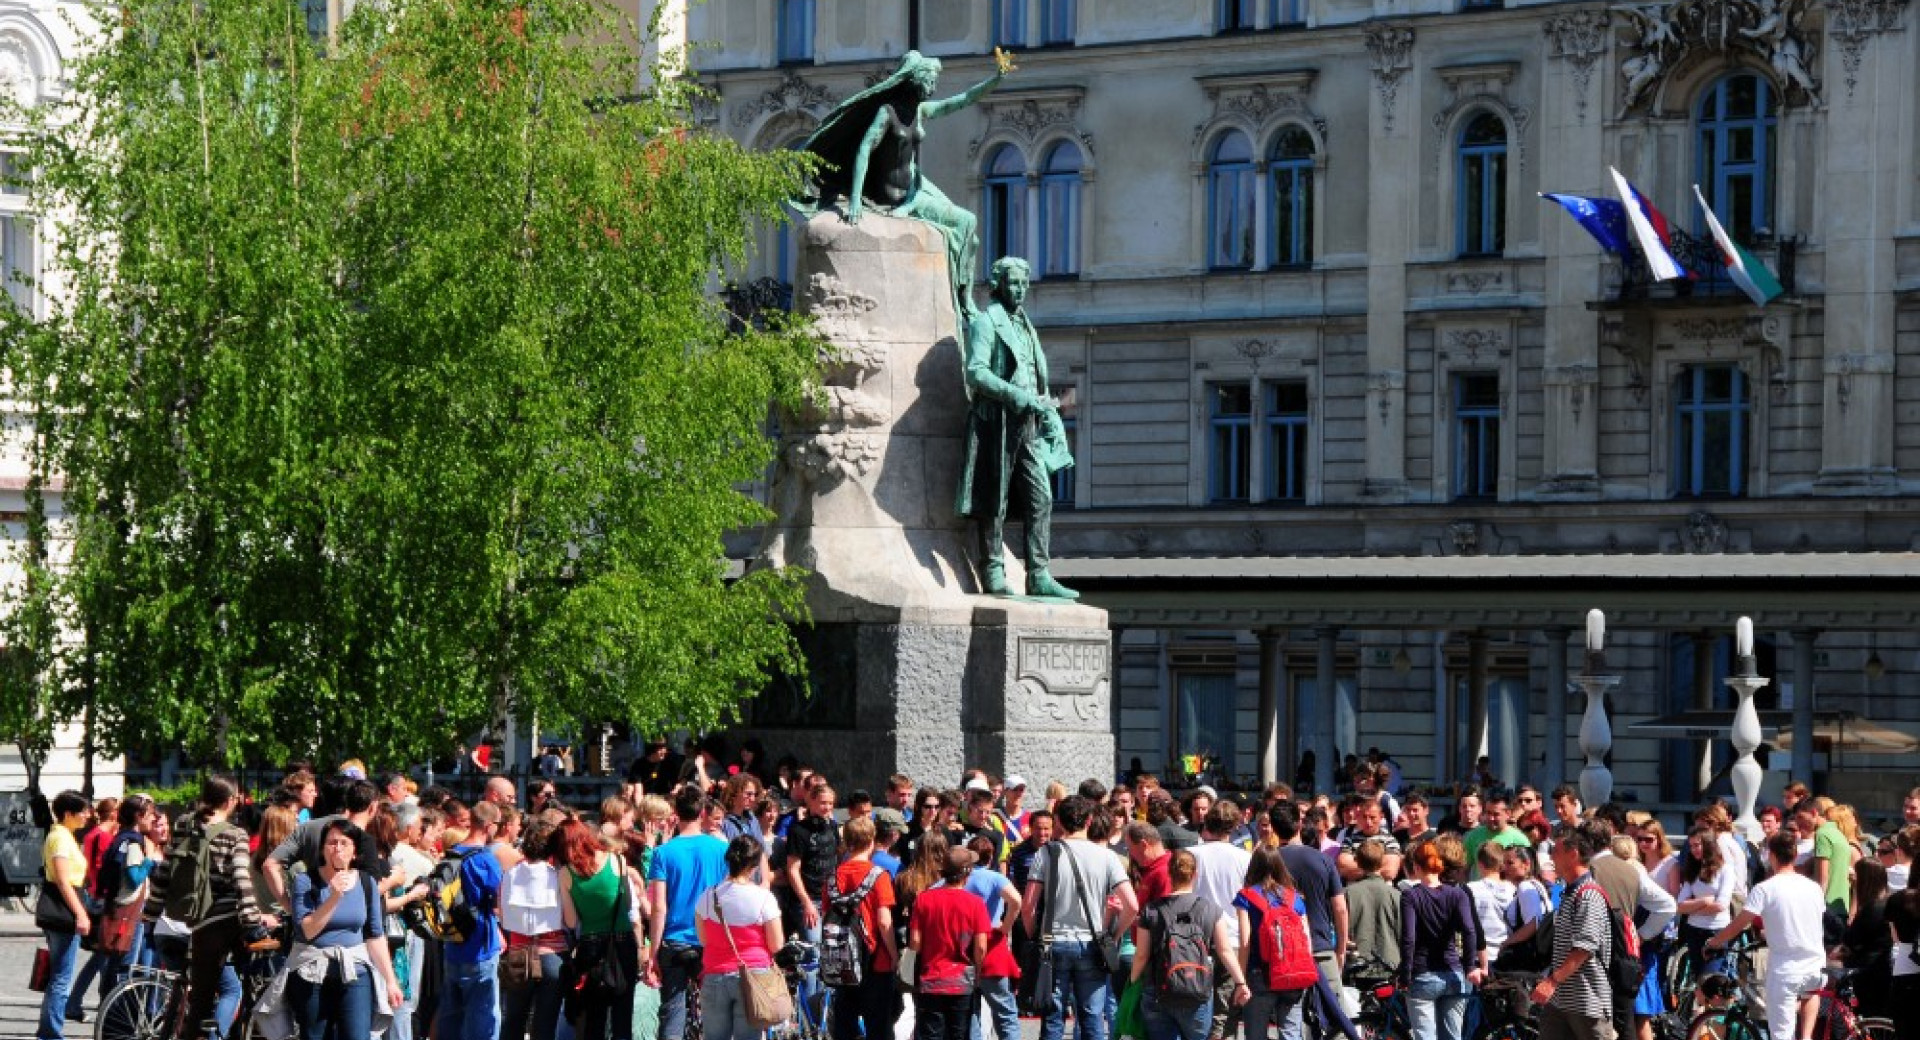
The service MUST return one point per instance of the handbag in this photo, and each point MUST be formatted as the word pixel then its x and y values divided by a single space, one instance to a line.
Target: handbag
pixel 763 992
pixel 50 912
pixel 114 933
pixel 42 970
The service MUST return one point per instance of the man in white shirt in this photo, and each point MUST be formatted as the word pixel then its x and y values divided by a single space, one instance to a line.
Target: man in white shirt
pixel 1220 872
pixel 1791 906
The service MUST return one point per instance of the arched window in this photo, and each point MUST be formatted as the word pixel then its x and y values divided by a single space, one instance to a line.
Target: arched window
pixel 1483 186
pixel 1230 187
pixel 1736 153
pixel 1290 165
pixel 1006 205
pixel 1060 211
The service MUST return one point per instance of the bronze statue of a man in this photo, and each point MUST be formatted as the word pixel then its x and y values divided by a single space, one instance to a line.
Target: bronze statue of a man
pixel 1015 440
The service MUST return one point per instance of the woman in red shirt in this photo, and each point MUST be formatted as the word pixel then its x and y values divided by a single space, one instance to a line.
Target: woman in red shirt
pixel 948 932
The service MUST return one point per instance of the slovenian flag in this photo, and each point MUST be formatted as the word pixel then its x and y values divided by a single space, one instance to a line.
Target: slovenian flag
pixel 1649 230
pixel 1743 267
pixel 1604 219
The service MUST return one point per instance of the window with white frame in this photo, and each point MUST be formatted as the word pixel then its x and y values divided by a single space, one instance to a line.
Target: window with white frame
pixel 1063 492
pixel 1231 182
pixel 19 252
pixel 1712 415
pixel 1060 211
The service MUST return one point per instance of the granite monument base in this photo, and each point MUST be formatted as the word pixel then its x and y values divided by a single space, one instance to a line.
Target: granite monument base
pixel 911 669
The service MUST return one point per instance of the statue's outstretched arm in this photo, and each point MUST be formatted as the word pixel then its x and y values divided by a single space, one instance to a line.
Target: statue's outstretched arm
pixel 948 106
pixel 856 193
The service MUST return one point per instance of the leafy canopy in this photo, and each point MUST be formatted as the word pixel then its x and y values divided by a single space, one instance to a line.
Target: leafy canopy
pixel 385 385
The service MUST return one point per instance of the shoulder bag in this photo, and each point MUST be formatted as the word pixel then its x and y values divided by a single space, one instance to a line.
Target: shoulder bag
pixel 763 993
pixel 1035 993
pixel 1106 945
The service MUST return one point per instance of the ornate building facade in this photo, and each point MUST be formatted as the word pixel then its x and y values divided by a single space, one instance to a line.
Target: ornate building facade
pixel 1364 425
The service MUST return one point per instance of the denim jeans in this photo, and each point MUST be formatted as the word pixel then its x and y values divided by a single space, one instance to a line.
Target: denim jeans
pixel 679 970
pixel 414 946
pixel 1437 1005
pixel 1079 985
pixel 1173 1022
pixel 334 1009
pixel 97 966
pixel 535 1006
pixel 1266 1008
pixel 63 949
pixel 1001 1007
pixel 469 1001
pixel 723 1015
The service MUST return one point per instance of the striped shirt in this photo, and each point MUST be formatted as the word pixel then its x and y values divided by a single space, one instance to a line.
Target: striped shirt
pixel 1581 924
pixel 232 876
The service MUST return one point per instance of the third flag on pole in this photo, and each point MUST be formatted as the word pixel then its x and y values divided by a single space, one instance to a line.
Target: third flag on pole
pixel 1743 267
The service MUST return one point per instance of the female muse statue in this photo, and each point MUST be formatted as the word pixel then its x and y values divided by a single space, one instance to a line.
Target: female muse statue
pixel 870 151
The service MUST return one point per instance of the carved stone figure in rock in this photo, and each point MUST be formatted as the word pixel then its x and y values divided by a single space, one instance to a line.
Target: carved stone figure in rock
pixel 1015 440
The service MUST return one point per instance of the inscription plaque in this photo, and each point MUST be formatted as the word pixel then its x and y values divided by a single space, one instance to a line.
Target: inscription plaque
pixel 1064 678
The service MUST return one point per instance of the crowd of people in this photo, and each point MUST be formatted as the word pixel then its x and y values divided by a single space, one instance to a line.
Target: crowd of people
pixel 941 913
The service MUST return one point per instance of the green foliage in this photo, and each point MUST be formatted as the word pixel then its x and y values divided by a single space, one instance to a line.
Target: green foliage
pixel 385 385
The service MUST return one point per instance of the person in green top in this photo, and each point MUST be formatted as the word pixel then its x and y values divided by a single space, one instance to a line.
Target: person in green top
pixel 1495 826
pixel 1833 855
pixel 596 901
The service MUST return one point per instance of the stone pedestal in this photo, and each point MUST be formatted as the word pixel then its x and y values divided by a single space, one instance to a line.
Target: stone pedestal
pixel 912 669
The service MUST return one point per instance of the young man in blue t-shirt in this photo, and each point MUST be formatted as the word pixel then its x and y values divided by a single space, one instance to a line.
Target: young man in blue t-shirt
pixel 682 870
pixel 470 1007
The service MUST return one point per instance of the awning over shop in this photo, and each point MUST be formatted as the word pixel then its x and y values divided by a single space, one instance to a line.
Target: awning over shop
pixel 1854 737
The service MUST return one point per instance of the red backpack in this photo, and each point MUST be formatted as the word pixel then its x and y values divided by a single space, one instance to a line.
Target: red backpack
pixel 1284 943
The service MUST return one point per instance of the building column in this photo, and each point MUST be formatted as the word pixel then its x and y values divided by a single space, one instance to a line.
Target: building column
pixel 1327 708
pixel 1802 757
pixel 1262 232
pixel 1703 701
pixel 1553 771
pixel 1476 697
pixel 1273 676
pixel 1032 236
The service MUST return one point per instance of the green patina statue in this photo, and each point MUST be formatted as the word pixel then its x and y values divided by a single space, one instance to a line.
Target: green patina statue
pixel 1015 440
pixel 872 141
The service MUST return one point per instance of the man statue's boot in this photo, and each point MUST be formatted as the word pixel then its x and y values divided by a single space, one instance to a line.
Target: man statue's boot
pixel 993 578
pixel 1041 583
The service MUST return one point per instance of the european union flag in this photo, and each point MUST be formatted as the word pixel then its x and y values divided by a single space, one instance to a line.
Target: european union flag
pixel 1604 219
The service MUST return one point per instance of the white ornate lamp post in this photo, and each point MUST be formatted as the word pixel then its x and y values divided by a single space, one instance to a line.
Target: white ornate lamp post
pixel 1744 734
pixel 1596 732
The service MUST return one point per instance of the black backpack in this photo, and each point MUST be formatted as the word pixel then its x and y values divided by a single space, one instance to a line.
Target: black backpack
pixel 1182 958
pixel 843 934
pixel 1536 954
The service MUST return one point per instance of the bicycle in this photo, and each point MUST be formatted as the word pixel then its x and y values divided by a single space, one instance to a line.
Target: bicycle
pixel 1729 1015
pixel 1504 1007
pixel 152 1002
pixel 1383 1008
pixel 798 960
pixel 1683 972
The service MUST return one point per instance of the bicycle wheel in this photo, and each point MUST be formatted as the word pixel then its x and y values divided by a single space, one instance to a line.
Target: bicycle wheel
pixel 1513 1031
pixel 138 1009
pixel 1723 1024
pixel 1683 973
pixel 1876 1029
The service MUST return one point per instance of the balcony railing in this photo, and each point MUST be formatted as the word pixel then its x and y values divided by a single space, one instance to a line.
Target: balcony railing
pixel 1701 257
